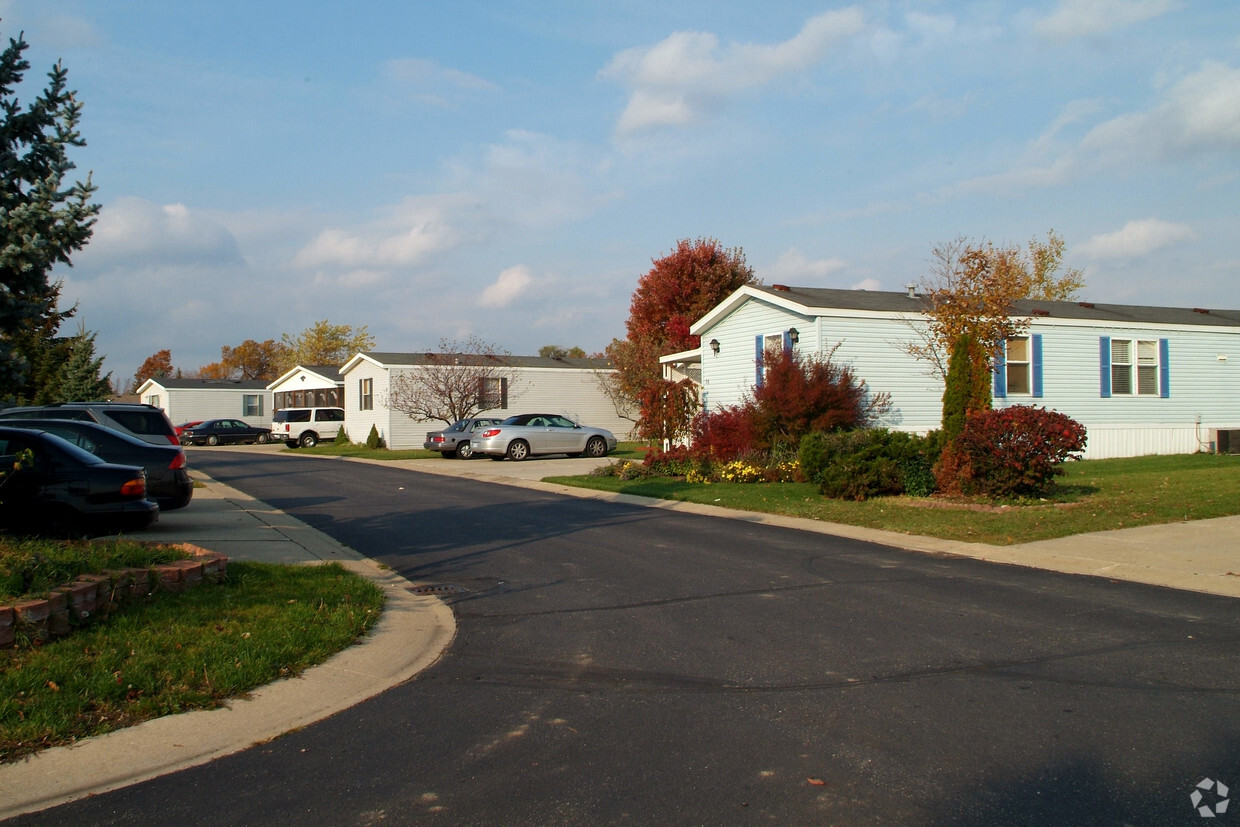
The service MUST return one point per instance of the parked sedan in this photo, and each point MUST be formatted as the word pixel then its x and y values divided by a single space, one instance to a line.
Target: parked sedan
pixel 181 428
pixel 224 432
pixel 454 441
pixel 167 477
pixel 48 486
pixel 526 435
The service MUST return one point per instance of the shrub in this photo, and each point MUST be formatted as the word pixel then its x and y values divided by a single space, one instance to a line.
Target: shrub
pixel 373 440
pixel 677 461
pixel 801 394
pixel 341 437
pixel 723 435
pixel 875 462
pixel 1017 451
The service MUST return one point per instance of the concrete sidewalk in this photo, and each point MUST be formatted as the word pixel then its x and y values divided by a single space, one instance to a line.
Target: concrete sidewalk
pixel 411 635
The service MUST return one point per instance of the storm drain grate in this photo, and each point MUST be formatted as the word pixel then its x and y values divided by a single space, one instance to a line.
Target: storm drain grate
pixel 438 588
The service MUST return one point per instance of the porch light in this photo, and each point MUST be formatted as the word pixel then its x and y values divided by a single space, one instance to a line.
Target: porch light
pixel 794 335
pixel 714 346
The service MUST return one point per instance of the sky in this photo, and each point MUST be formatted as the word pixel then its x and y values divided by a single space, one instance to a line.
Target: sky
pixel 509 169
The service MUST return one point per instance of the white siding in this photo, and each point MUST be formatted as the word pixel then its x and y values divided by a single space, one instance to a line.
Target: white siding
pixel 357 422
pixel 870 345
pixel 188 404
pixel 1203 367
pixel 572 392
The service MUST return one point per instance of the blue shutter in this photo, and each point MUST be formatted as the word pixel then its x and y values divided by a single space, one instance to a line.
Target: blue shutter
pixel 757 362
pixel 1104 367
pixel 1000 372
pixel 1164 369
pixel 787 341
pixel 1036 363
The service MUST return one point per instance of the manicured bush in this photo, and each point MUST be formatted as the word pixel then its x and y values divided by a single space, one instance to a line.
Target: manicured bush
pixel 867 463
pixel 341 437
pixel 373 440
pixel 677 461
pixel 1018 451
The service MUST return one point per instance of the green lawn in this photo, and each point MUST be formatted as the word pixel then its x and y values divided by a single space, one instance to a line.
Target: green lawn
pixel 175 652
pixel 1095 495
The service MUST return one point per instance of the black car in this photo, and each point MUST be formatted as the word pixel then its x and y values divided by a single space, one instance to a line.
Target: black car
pixel 146 422
pixel 224 432
pixel 48 486
pixel 167 476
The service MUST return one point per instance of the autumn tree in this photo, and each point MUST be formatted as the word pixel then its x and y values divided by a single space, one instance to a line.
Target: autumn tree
pixel 324 343
pixel 41 220
pixel 248 360
pixel 973 287
pixel 557 352
pixel 679 289
pixel 157 366
pixel 460 381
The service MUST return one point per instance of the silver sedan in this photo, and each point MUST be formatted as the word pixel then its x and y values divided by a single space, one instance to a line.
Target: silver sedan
pixel 526 435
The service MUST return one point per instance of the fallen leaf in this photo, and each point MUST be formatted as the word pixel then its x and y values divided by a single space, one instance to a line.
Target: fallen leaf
pixel 817 782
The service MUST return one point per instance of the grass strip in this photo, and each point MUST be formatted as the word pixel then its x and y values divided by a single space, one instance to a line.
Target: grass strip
pixel 625 450
pixel 31 566
pixel 177 652
pixel 1093 495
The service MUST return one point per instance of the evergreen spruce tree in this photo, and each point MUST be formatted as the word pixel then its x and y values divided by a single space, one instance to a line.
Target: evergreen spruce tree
pixel 41 221
pixel 80 380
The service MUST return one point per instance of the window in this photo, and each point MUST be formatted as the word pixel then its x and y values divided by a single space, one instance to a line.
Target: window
pixel 772 344
pixel 152 400
pixel 1018 366
pixel 366 394
pixel 252 404
pixel 1134 367
pixel 492 393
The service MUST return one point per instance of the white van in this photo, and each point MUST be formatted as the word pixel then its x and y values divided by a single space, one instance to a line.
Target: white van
pixel 306 426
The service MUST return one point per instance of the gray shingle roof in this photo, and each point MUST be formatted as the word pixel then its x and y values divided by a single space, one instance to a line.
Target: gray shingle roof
pixel 213 384
pixel 475 359
pixel 819 298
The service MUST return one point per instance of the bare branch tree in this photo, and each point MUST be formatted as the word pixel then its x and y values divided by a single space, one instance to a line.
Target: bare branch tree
pixel 462 380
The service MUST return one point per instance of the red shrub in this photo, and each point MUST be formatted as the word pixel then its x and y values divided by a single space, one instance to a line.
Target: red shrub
pixel 724 434
pixel 1017 451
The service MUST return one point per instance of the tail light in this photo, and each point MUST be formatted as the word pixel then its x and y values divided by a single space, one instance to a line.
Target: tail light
pixel 174 439
pixel 437 439
pixel 135 487
pixel 178 462
pixel 490 432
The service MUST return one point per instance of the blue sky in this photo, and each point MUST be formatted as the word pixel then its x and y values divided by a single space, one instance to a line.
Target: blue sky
pixel 509 169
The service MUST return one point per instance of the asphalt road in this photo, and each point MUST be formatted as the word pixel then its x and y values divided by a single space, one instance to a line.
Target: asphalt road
pixel 620 664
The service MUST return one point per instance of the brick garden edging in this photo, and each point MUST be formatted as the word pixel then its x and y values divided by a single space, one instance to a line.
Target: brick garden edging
pixel 95 595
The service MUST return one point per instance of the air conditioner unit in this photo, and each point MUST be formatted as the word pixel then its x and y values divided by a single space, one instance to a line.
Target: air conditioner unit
pixel 1227 441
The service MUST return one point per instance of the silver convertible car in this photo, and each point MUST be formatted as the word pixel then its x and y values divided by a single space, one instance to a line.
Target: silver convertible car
pixel 525 435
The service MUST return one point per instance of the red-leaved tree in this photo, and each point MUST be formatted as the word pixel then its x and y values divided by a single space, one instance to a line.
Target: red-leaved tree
pixel 679 289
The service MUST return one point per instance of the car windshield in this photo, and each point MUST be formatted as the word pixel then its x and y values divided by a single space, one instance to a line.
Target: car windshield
pixel 459 425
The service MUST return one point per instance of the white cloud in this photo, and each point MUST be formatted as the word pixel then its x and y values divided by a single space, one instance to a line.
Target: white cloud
pixel 1199 113
pixel 416 229
pixel 689 75
pixel 509 287
pixel 1136 239
pixel 868 284
pixel 793 267
pixel 425 80
pixel 139 233
pixel 1083 18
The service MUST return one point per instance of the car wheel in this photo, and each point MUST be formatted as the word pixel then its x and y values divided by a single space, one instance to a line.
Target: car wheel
pixel 261 439
pixel 213 440
pixel 596 447
pixel 309 439
pixel 464 450
pixel 518 450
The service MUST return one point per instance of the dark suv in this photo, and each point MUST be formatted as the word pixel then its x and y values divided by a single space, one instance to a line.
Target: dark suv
pixel 146 422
